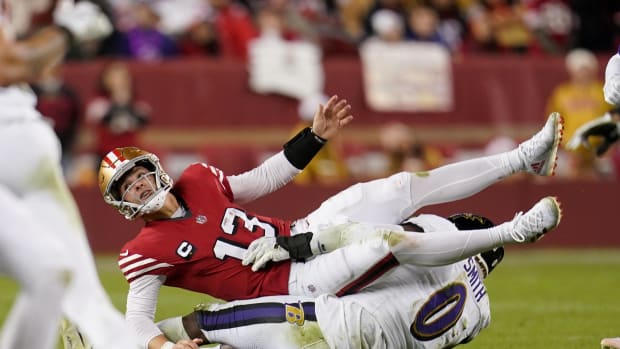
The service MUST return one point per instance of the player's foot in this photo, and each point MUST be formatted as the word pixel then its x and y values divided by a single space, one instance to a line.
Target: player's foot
pixel 540 153
pixel 71 337
pixel 610 343
pixel 533 224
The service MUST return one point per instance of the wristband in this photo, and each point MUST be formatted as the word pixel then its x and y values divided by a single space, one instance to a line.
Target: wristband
pixel 300 150
pixel 298 246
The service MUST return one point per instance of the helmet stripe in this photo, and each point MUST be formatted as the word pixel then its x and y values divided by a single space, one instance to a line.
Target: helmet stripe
pixel 114 157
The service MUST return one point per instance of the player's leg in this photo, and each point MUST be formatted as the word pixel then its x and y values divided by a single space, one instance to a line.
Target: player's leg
pixel 40 266
pixel 37 178
pixel 86 304
pixel 393 199
pixel 449 245
pixel 361 253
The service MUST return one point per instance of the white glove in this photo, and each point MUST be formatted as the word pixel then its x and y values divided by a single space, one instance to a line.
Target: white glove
pixel 84 20
pixel 263 250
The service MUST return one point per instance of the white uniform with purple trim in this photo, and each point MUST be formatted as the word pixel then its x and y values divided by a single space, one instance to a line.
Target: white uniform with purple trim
pixel 421 307
pixel 43 244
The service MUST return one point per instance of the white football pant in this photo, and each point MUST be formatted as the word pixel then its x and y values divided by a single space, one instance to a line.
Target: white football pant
pixel 38 207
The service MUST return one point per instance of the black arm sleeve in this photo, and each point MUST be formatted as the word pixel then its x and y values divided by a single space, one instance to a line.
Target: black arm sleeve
pixel 303 147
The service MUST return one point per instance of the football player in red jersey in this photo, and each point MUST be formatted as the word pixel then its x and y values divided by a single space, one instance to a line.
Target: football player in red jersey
pixel 196 232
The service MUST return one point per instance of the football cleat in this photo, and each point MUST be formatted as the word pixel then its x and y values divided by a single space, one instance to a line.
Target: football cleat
pixel 540 153
pixel 610 343
pixel 71 337
pixel 540 219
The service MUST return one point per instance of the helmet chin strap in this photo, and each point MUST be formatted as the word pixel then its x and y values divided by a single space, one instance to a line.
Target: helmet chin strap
pixel 156 202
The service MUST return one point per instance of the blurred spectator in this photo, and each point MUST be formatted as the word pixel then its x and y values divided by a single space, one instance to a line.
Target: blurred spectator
pixel 200 39
pixel 579 100
pixel 116 114
pixel 500 25
pixel 452 25
pixel 552 23
pixel 145 41
pixel 399 7
pixel 387 26
pixel 291 68
pixel 62 105
pixel 235 28
pixel 405 152
pixel 328 165
pixel 293 25
pixel 423 26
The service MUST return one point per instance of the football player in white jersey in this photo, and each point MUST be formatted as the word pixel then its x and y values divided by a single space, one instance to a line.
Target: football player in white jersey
pixel 414 307
pixel 42 240
pixel 612 96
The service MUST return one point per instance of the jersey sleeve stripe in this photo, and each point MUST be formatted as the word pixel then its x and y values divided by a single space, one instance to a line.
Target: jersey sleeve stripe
pixel 137 264
pixel 128 259
pixel 135 274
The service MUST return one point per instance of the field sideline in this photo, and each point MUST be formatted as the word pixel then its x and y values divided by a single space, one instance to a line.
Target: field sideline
pixel 539 299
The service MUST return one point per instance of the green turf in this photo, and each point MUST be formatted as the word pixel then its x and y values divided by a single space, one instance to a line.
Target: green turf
pixel 539 299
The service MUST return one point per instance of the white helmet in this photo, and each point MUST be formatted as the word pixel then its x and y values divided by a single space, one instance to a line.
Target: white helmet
pixel 116 164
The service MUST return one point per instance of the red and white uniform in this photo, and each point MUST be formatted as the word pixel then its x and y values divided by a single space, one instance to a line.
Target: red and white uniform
pixel 201 251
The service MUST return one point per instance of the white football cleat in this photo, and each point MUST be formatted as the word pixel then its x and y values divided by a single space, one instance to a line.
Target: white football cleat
pixel 610 343
pixel 540 153
pixel 540 219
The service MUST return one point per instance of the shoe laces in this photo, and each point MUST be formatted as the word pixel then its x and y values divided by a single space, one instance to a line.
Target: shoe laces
pixel 524 223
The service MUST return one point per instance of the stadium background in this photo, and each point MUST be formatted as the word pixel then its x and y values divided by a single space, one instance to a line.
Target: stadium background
pixel 560 293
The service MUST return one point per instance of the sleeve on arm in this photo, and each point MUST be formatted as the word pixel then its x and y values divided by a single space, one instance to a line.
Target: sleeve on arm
pixel 611 89
pixel 141 306
pixel 268 177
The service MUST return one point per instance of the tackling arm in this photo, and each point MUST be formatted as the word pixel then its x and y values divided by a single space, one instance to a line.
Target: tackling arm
pixel 26 60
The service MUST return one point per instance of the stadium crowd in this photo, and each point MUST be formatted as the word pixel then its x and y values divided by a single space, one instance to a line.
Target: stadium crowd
pixel 152 30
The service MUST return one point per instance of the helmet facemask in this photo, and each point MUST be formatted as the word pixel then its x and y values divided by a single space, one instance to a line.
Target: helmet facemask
pixel 151 204
pixel 160 185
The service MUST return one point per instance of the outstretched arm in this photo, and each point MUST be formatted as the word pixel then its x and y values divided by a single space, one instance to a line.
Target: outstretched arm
pixel 281 168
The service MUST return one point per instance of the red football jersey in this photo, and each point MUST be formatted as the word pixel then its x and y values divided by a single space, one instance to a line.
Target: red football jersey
pixel 202 251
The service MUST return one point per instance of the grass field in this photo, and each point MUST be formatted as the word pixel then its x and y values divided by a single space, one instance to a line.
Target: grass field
pixel 539 299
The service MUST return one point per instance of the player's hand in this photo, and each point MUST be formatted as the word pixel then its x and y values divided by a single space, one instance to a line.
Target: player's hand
pixel 188 344
pixel 332 116
pixel 263 250
pixel 84 20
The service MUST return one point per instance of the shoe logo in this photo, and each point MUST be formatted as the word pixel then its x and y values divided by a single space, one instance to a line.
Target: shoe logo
pixel 125 254
pixel 537 166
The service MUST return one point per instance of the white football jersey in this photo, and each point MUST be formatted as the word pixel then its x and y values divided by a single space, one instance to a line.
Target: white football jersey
pixel 418 308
